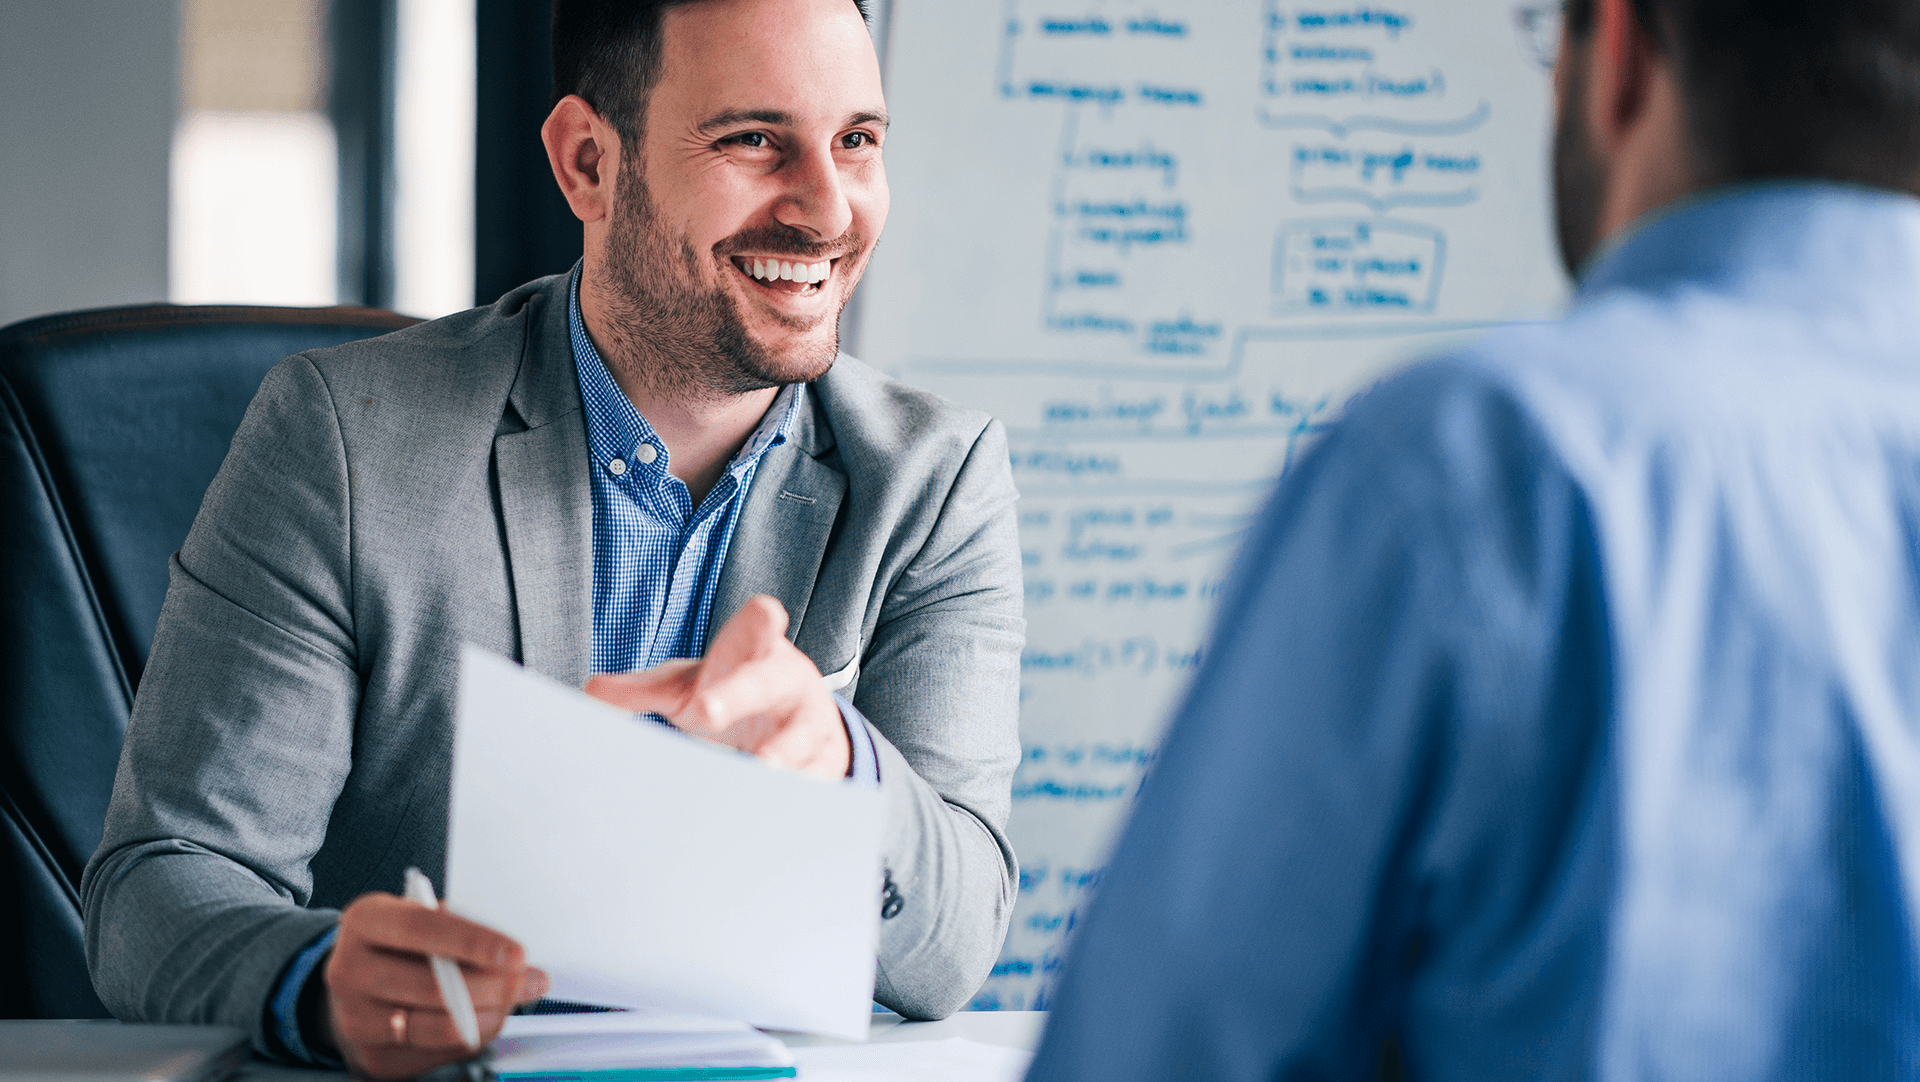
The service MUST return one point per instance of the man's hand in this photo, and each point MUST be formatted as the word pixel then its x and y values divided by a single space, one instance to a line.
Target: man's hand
pixel 384 1009
pixel 753 690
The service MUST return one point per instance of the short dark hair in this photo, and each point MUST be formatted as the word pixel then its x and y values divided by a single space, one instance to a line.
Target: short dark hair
pixel 1792 88
pixel 608 52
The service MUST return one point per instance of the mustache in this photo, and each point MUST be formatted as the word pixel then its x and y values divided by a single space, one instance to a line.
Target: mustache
pixel 785 240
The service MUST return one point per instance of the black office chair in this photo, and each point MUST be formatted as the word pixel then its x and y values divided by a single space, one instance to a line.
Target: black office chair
pixel 112 424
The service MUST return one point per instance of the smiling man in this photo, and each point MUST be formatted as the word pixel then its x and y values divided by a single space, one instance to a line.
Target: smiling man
pixel 654 477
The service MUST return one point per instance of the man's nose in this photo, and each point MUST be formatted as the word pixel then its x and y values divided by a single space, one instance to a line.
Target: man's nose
pixel 815 200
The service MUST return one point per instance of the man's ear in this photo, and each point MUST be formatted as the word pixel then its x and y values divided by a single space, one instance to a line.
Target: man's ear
pixel 584 151
pixel 1619 75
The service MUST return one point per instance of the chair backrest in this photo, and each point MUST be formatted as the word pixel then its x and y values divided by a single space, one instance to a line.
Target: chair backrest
pixel 112 424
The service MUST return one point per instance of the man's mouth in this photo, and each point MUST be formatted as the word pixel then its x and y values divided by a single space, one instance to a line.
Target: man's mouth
pixel 790 276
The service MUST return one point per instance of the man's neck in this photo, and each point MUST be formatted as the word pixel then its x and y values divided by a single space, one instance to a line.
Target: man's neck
pixel 702 428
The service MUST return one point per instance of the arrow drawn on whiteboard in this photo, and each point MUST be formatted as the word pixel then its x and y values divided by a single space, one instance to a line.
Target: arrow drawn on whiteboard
pixel 1207 544
pixel 1392 125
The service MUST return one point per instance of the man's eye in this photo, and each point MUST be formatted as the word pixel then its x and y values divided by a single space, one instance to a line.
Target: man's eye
pixel 749 139
pixel 855 139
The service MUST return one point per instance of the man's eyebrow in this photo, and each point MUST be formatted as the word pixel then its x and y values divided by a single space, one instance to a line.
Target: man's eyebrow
pixel 781 118
pixel 728 119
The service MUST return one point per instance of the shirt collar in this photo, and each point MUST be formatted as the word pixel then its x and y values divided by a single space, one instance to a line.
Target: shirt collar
pixel 615 429
pixel 1776 235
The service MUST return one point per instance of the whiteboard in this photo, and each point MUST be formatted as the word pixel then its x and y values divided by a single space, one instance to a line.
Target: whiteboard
pixel 1164 243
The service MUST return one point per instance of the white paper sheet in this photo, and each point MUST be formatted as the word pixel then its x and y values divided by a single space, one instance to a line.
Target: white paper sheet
pixel 643 868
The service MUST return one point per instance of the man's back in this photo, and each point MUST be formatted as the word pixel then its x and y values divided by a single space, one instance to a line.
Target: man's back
pixel 1564 719
pixel 1738 400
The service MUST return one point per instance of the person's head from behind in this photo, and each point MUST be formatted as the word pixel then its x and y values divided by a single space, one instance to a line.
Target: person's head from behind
pixel 724 156
pixel 1661 98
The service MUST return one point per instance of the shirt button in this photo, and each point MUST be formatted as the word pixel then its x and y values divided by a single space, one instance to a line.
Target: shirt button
pixel 616 466
pixel 646 454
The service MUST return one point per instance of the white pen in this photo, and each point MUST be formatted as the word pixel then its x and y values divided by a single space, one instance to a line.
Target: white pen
pixel 446 973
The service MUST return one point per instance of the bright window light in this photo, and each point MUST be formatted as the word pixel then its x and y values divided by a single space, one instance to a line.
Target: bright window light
pixel 433 157
pixel 255 171
pixel 253 208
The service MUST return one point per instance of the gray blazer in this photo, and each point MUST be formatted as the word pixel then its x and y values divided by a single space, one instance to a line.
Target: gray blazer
pixel 387 500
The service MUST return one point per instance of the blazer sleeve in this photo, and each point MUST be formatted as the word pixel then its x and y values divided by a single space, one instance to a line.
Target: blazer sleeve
pixel 241 734
pixel 941 681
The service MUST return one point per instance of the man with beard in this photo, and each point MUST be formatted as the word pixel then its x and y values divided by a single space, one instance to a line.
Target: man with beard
pixel 654 469
pixel 1562 716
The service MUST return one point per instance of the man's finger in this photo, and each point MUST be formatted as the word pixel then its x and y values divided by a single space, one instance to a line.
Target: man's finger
pixel 756 630
pixel 372 1023
pixel 406 979
pixel 809 745
pixel 533 984
pixel 776 709
pixel 765 688
pixel 662 689
pixel 384 920
pixel 436 1030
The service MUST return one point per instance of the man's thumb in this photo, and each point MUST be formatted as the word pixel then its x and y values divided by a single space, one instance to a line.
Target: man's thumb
pixel 753 632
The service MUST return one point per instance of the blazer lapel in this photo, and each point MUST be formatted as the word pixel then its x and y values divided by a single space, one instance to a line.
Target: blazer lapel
pixel 781 536
pixel 546 504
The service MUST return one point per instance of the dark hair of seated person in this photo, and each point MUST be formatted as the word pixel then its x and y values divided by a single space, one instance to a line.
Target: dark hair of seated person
pixel 608 52
pixel 1791 88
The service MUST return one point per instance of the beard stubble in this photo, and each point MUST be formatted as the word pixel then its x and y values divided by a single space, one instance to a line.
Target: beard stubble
pixel 681 340
pixel 1579 184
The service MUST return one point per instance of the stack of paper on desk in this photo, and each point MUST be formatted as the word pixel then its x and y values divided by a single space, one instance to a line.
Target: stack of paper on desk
pixel 643 868
pixel 634 1046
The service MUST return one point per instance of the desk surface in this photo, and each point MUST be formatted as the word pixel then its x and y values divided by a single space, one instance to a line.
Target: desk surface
pixel 1010 1029
pixel 1003 1029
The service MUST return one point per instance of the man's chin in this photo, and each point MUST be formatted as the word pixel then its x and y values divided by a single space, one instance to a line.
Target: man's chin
pixel 786 347
pixel 804 349
pixel 799 363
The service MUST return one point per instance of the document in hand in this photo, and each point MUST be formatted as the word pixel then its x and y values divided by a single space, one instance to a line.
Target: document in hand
pixel 641 867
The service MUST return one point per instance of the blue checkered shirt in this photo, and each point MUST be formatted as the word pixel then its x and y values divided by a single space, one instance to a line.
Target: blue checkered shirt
pixel 656 557
pixel 656 567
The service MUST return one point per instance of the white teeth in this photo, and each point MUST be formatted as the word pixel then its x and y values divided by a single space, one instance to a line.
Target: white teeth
pixel 773 270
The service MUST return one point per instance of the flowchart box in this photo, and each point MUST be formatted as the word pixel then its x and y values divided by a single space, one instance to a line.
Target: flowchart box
pixel 1352 265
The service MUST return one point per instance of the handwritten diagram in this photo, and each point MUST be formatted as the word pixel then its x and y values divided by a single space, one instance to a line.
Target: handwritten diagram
pixel 1165 243
pixel 1353 264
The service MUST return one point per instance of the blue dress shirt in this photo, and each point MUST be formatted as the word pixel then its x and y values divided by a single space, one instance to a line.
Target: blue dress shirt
pixel 657 561
pixel 1562 719
pixel 657 558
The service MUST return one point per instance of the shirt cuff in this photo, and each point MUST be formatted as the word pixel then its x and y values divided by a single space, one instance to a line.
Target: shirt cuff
pixel 865 767
pixel 286 1002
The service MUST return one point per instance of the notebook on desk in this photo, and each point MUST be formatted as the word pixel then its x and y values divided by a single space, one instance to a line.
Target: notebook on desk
pixel 634 1046
pixel 108 1051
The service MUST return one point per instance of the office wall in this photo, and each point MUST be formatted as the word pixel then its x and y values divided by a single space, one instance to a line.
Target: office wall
pixel 87 102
